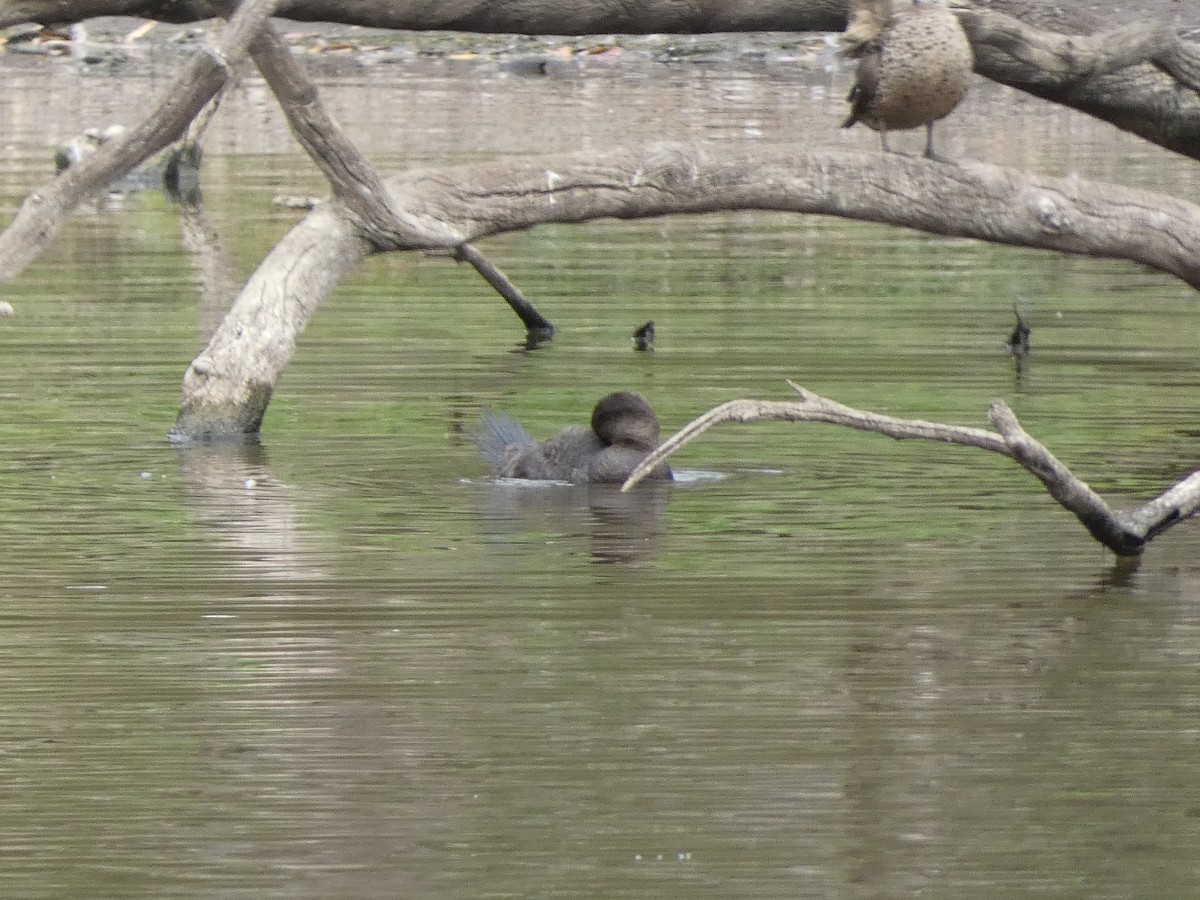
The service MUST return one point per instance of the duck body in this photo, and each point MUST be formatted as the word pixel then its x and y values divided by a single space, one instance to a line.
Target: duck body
pixel 914 73
pixel 623 431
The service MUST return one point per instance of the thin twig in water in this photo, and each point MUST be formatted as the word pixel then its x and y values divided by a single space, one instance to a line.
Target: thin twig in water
pixel 533 320
pixel 1125 533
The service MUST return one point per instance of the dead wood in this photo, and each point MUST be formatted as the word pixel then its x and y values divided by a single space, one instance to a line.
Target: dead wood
pixel 43 212
pixel 227 387
pixel 1142 78
pixel 353 179
pixel 539 328
pixel 968 199
pixel 223 391
pixel 1131 77
pixel 1125 533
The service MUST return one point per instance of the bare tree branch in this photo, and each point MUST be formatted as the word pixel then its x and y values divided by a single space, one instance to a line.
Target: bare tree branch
pixel 353 179
pixel 1142 78
pixel 535 323
pixel 1125 533
pixel 227 387
pixel 444 209
pixel 969 199
pixel 1069 69
pixel 42 213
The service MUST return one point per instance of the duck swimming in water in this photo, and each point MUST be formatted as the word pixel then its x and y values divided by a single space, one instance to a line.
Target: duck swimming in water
pixel 624 430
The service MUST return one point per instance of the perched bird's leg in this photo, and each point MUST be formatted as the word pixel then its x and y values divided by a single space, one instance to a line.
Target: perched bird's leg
pixel 930 153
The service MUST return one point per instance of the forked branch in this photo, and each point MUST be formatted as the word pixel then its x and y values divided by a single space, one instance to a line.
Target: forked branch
pixel 1143 77
pixel 1125 533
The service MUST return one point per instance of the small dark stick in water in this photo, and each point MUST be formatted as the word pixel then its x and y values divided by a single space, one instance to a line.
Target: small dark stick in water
pixel 915 72
pixel 1018 341
pixel 643 338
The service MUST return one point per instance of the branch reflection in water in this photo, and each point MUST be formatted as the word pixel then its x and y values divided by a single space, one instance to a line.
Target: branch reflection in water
pixel 609 526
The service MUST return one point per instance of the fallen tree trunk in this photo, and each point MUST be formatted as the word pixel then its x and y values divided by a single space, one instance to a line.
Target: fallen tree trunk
pixel 1142 78
pixel 228 386
pixel 966 199
pixel 225 394
pixel 1125 533
pixel 537 17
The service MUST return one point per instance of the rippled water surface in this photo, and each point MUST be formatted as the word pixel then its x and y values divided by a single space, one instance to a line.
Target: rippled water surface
pixel 345 663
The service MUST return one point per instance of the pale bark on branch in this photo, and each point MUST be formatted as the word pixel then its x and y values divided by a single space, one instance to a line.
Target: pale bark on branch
pixel 353 179
pixel 355 182
pixel 227 387
pixel 1142 78
pixel 1091 73
pixel 967 200
pixel 224 392
pixel 1125 533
